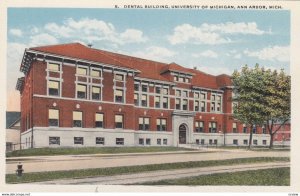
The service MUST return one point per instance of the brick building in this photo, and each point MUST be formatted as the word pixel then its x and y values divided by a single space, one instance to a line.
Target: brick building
pixel 74 95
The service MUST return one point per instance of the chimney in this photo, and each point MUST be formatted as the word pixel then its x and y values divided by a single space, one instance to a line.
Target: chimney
pixel 195 67
pixel 90 45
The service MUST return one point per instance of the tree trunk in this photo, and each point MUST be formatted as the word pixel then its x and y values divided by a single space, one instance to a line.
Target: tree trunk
pixel 271 140
pixel 250 138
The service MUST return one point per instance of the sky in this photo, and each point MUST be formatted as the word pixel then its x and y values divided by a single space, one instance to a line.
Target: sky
pixel 214 41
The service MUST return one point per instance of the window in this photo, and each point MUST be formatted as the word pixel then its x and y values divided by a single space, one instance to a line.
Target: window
pixel 81 91
pixel 212 127
pixel 202 96
pixel 119 141
pixel 144 123
pixel 165 91
pixel 264 131
pixel 199 126
pixel 148 141
pixel 144 100
pixel 119 96
pixel 77 119
pixel 185 93
pixel 196 106
pixel 202 141
pixel 213 97
pixel 165 141
pixel 136 99
pixel 119 121
pixel 96 93
pixel 136 87
pixel 196 95
pixel 197 141
pixel 165 102
pixel 99 120
pixel 210 142
pixel 255 142
pixel 157 90
pixel 175 78
pixel 216 103
pixel 177 104
pixel 202 106
pixel 218 107
pixel 244 128
pixel 161 124
pixel 53 119
pixel 181 79
pixel 119 77
pixel 53 67
pixel 141 141
pixel 245 142
pixel 100 140
pixel 158 141
pixel 178 93
pixel 216 142
pixel 234 127
pixel 53 88
pixel 54 140
pixel 144 88
pixel 81 71
pixel 264 142
pixel 78 140
pixel 235 142
pixel 95 73
pixel 213 106
pixel 157 101
pixel 184 104
pixel 254 129
pixel 187 80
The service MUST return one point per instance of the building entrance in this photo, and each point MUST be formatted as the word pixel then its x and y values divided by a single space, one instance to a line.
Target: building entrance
pixel 182 134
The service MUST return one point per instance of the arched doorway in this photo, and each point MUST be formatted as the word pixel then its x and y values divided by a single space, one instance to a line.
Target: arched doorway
pixel 182 134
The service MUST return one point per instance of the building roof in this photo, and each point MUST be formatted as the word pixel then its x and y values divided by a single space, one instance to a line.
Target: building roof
pixel 148 69
pixel 12 118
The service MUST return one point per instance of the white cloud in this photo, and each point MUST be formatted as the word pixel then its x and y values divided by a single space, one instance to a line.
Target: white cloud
pixel 16 32
pixel 237 56
pixel 207 53
pixel 214 70
pixel 274 53
pixel 187 33
pixel 93 30
pixel 155 53
pixel 42 39
pixel 234 28
pixel 133 35
pixel 212 33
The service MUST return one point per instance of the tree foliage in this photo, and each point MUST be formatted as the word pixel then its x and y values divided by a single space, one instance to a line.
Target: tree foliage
pixel 262 97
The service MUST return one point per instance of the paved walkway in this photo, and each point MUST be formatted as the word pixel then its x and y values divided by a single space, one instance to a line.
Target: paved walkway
pixel 71 162
pixel 167 174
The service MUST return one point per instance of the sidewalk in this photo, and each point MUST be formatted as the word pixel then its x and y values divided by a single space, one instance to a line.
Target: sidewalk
pixel 72 162
pixel 166 174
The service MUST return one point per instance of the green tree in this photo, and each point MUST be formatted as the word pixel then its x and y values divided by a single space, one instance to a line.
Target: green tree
pixel 262 97
pixel 249 98
pixel 277 101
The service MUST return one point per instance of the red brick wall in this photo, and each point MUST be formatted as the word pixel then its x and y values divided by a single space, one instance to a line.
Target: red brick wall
pixel 131 114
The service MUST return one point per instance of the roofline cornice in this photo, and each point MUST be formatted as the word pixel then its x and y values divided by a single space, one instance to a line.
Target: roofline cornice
pixel 82 60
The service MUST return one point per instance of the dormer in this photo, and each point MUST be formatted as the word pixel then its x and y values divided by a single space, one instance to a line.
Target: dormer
pixel 178 73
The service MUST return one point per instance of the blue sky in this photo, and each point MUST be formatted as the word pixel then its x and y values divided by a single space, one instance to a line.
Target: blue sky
pixel 215 41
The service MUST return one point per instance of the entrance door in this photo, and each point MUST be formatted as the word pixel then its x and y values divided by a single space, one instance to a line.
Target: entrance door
pixel 182 134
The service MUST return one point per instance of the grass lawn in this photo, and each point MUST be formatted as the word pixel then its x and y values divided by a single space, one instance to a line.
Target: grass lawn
pixel 89 150
pixel 84 173
pixel 265 177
